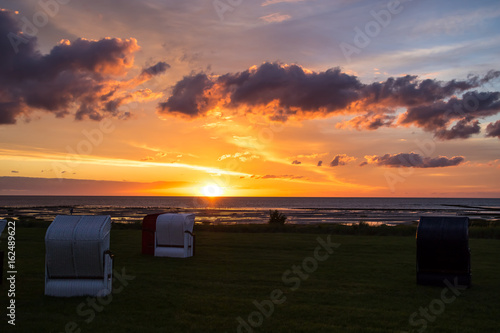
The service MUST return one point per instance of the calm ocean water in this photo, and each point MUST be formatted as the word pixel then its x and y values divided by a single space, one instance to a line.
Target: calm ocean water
pixel 247 202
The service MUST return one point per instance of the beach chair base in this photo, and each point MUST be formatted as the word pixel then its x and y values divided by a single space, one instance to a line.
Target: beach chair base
pixel 433 279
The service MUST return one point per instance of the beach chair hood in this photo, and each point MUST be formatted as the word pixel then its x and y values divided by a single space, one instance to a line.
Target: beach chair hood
pixel 168 235
pixel 170 228
pixel 76 253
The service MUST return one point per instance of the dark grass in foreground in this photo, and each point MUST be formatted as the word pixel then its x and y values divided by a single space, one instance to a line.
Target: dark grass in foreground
pixel 366 285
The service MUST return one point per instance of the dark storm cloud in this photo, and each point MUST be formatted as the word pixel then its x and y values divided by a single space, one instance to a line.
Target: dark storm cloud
pixel 413 160
pixel 73 74
pixel 493 129
pixel 188 96
pixel 409 91
pixel 293 87
pixel 280 91
pixel 462 130
pixel 290 86
pixel 439 115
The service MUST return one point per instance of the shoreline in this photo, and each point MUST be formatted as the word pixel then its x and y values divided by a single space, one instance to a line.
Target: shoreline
pixel 228 216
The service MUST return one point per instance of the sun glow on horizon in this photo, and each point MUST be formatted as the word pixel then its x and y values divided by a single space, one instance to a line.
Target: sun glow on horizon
pixel 212 190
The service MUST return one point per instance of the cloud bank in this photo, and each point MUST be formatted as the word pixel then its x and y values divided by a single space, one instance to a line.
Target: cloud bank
pixel 413 160
pixel 41 186
pixel 281 91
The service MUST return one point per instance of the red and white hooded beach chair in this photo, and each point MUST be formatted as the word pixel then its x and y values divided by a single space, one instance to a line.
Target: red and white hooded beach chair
pixel 168 235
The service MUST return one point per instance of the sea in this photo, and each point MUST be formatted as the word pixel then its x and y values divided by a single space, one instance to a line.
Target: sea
pixel 231 210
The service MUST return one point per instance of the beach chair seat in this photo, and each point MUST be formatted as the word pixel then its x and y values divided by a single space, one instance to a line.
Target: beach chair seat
pixel 168 235
pixel 78 261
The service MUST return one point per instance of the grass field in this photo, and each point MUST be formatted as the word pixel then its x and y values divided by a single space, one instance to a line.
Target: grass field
pixel 366 285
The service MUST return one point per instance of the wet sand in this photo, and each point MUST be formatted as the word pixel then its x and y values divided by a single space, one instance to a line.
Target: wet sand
pixel 214 216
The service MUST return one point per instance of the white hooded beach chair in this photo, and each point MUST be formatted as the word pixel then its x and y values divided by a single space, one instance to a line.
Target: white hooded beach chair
pixel 77 257
pixel 174 235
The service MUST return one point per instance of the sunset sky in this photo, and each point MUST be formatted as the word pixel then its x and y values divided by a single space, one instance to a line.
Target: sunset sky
pixel 250 98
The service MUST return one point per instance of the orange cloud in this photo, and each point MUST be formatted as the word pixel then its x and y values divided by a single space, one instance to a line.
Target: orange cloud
pixel 77 75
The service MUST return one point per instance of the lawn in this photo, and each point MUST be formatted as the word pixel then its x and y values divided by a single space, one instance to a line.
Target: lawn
pixel 367 284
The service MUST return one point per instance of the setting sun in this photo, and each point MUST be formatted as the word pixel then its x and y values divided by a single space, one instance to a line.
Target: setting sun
pixel 212 190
